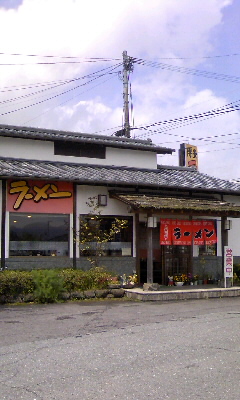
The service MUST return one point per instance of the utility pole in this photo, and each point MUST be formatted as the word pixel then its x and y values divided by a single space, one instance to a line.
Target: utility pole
pixel 127 68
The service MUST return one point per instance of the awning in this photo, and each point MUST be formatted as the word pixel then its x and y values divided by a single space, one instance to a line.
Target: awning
pixel 178 205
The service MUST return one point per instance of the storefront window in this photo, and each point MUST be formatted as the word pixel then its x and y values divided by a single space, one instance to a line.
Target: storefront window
pixel 39 234
pixel 208 250
pixel 119 245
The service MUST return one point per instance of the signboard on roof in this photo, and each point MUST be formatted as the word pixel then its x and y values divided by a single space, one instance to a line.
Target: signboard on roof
pixel 188 156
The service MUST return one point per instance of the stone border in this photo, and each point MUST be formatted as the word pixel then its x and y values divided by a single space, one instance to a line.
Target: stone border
pixel 78 295
pixel 187 294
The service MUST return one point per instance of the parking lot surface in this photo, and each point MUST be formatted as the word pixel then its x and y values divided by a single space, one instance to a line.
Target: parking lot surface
pixel 121 350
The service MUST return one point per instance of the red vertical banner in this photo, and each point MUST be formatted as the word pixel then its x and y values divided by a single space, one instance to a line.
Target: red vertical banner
pixel 166 232
pixel 182 232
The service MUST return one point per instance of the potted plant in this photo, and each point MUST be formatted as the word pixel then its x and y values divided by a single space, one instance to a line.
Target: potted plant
pixel 195 279
pixel 128 282
pixel 190 279
pixel 179 280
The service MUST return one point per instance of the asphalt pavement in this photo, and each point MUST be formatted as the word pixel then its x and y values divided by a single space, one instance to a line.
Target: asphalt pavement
pixel 121 350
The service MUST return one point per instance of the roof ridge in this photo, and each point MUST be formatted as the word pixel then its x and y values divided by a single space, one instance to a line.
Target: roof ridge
pixel 42 133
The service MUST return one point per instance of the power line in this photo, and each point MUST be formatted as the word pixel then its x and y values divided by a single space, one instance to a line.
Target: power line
pixel 198 58
pixel 213 150
pixel 202 139
pixel 190 119
pixel 66 101
pixel 70 59
pixel 188 71
pixel 117 59
pixel 47 63
pixel 67 57
pixel 57 85
pixel 55 96
pixel 58 82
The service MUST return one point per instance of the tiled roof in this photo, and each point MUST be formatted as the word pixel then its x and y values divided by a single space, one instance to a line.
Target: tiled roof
pixel 159 204
pixel 163 177
pixel 54 135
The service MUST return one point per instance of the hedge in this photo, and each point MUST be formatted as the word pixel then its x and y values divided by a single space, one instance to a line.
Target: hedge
pixel 51 285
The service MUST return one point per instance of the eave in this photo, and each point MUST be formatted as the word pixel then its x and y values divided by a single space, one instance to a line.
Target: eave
pixel 174 205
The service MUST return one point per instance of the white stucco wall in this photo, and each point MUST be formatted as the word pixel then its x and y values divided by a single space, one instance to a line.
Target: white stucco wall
pixel 44 150
pixel 26 148
pixel 114 207
pixel 131 158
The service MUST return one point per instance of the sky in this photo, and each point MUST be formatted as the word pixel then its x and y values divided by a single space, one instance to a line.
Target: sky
pixel 61 68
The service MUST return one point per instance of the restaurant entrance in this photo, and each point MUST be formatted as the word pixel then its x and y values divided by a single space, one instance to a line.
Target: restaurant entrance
pixel 176 260
pixel 167 260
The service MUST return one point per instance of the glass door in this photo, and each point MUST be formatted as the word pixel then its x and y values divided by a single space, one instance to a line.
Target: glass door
pixel 176 260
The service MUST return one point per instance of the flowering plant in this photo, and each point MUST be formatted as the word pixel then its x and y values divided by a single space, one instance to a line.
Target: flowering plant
pixel 180 278
pixel 131 279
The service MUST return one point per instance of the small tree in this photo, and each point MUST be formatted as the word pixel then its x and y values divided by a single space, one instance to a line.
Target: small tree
pixel 93 236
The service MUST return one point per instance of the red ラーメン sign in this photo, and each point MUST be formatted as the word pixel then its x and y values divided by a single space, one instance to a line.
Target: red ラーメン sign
pixel 40 196
pixel 185 232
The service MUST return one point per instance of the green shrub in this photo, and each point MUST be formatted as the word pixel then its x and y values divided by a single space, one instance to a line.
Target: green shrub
pixel 48 285
pixel 69 277
pixel 15 283
pixel 99 277
pixel 79 280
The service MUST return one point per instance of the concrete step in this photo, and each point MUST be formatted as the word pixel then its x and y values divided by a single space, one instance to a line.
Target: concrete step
pixel 181 294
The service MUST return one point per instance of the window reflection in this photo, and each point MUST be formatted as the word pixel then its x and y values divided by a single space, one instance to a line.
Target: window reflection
pixel 39 234
pixel 121 243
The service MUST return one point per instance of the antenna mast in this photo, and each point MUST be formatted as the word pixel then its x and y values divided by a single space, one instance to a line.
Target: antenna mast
pixel 127 68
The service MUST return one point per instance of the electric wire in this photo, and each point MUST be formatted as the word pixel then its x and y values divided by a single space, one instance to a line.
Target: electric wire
pixel 51 87
pixel 164 125
pixel 198 58
pixel 207 139
pixel 185 70
pixel 40 84
pixel 204 139
pixel 45 63
pixel 66 101
pixel 117 59
pixel 70 59
pixel 64 57
pixel 190 119
pixel 55 96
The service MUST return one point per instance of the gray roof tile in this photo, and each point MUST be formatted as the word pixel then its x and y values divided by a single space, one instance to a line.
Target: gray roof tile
pixel 54 135
pixel 163 177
